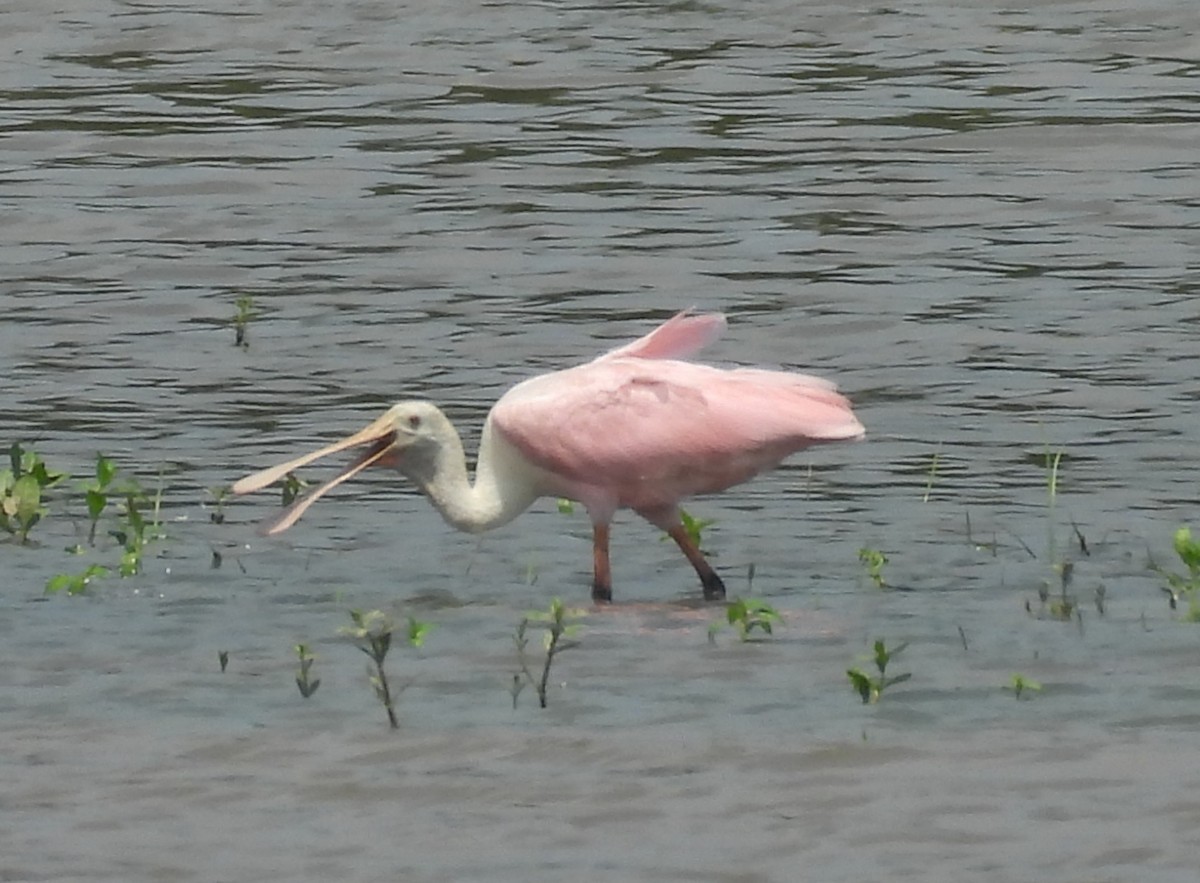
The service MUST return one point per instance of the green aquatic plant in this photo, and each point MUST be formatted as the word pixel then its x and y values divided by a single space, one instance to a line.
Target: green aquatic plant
pixel 21 487
pixel 1183 587
pixel 219 495
pixel 244 312
pixel 372 634
pixel 746 616
pixel 20 505
pixel 694 527
pixel 558 636
pixel 307 684
pixel 28 462
pixel 874 561
pixel 136 532
pixel 1062 569
pixel 1062 605
pixel 1021 685
pixel 290 488
pixel 933 467
pixel 75 583
pixel 96 493
pixel 870 688
pixel 981 545
pixel 1057 603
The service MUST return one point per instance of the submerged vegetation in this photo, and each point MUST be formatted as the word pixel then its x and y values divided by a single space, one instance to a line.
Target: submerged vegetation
pixel 558 636
pixel 372 633
pixel 21 487
pixel 873 562
pixel 747 616
pixel 1184 587
pixel 869 687
pixel 244 312
pixel 304 680
pixel 118 522
pixel 1022 686
pixel 138 524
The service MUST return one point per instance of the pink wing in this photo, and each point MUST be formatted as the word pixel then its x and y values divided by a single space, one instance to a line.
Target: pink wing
pixel 681 336
pixel 646 433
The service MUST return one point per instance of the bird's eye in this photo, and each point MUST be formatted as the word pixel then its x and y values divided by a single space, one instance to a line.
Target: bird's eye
pixel 414 421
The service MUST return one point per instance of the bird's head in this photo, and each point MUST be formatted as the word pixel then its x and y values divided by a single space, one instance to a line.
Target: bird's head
pixel 406 437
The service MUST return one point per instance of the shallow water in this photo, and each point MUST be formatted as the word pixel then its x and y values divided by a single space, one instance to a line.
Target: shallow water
pixel 979 220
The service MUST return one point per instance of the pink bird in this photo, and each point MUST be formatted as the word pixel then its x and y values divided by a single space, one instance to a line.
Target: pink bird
pixel 636 428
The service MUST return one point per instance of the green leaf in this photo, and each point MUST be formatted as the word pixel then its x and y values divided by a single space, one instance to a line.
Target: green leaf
pixel 417 631
pixel 59 582
pixel 28 494
pixel 106 471
pixel 45 478
pixel 1187 549
pixel 861 683
pixel 96 501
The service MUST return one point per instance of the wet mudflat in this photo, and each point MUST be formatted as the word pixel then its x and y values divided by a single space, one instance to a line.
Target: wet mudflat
pixel 978 220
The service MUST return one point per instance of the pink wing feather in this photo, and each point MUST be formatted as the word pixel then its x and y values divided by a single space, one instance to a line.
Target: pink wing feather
pixel 681 336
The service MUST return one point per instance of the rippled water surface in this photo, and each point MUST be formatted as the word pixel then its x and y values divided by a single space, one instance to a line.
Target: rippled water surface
pixel 981 220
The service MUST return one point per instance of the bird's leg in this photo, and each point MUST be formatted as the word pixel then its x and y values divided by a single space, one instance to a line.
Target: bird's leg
pixel 714 588
pixel 602 572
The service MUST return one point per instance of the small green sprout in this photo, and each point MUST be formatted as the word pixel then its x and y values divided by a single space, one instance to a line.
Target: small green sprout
pixel 241 319
pixel 372 634
pixel 291 488
pixel 75 583
pixel 694 528
pixel 307 685
pixel 933 466
pixel 1020 685
pixel 873 560
pixel 1182 587
pixel 219 495
pixel 137 532
pixel 565 506
pixel 97 492
pixel 871 688
pixel 1063 606
pixel 746 615
pixel 557 638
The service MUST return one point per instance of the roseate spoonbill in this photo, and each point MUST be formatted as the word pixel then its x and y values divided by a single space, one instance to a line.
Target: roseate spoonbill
pixel 635 428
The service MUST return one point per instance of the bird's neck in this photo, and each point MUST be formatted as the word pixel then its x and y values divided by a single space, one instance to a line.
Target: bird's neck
pixel 505 485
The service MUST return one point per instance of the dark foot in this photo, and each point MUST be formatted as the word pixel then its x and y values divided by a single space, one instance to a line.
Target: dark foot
pixel 602 594
pixel 714 588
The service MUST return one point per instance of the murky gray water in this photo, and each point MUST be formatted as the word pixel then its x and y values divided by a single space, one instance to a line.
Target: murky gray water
pixel 981 220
